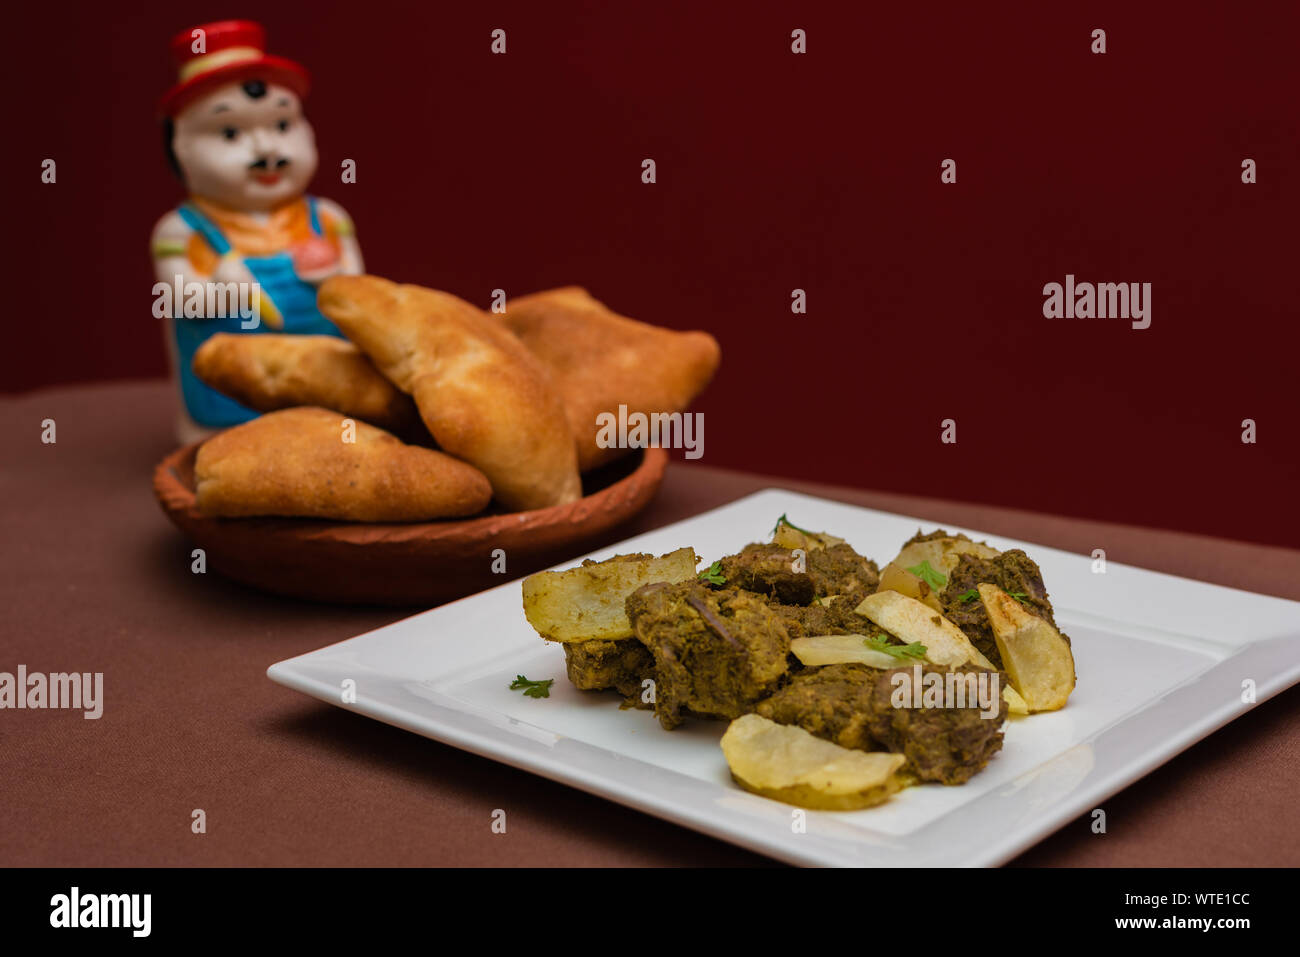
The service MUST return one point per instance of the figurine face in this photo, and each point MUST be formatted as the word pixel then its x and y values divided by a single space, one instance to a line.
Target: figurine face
pixel 243 150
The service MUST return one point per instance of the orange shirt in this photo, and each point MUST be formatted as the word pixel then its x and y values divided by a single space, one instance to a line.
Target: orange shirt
pixel 283 227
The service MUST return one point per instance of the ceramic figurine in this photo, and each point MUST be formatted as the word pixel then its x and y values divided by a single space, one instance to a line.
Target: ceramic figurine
pixel 236 136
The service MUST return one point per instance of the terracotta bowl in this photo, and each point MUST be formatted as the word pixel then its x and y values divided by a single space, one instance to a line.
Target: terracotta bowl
pixel 405 563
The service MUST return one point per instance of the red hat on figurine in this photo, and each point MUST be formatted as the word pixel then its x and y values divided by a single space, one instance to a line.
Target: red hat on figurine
pixel 211 54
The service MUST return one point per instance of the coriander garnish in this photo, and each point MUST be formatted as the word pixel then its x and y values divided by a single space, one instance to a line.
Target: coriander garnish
pixel 785 521
pixel 532 689
pixel 973 594
pixel 930 575
pixel 881 643
pixel 713 574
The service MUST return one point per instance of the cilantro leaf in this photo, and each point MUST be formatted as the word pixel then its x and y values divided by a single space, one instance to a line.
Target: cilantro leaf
pixel 881 643
pixel 532 689
pixel 785 521
pixel 930 575
pixel 713 574
pixel 973 594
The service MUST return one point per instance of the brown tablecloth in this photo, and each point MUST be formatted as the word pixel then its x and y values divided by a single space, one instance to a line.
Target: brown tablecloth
pixel 94 578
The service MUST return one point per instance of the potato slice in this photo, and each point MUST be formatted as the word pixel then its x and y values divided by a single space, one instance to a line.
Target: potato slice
pixel 910 620
pixel 1036 657
pixel 586 603
pixel 815 650
pixel 1015 703
pixel 941 554
pixel 790 536
pixel 786 763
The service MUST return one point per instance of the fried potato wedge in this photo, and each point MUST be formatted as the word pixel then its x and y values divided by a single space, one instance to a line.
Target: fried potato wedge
pixel 911 621
pixel 1036 657
pixel 940 554
pixel 789 536
pixel 1015 703
pixel 815 650
pixel 788 764
pixel 586 603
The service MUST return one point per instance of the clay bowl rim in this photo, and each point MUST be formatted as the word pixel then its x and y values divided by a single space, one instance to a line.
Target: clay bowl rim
pixel 178 501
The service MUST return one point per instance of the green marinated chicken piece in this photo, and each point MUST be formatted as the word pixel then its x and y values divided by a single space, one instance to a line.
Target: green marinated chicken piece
pixel 1015 573
pixel 620 666
pixel 853 706
pixel 717 652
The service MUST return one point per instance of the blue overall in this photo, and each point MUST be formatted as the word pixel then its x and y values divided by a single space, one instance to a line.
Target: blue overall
pixel 294 298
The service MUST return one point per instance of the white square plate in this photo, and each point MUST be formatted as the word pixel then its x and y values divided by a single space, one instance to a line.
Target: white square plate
pixel 1162 662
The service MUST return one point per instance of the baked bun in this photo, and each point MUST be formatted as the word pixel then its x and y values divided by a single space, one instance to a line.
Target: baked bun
pixel 296 462
pixel 601 360
pixel 484 397
pixel 270 371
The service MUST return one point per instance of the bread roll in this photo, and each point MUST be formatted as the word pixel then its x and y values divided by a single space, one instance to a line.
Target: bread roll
pixel 270 371
pixel 602 360
pixel 296 462
pixel 481 393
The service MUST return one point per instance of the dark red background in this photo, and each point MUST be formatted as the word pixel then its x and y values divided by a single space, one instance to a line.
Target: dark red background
pixel 775 171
